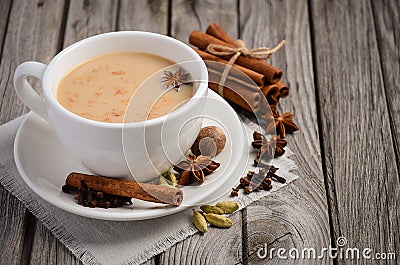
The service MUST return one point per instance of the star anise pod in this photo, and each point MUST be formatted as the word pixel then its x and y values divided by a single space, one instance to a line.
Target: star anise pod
pixel 282 124
pixel 195 169
pixel 175 80
pixel 267 149
pixel 256 181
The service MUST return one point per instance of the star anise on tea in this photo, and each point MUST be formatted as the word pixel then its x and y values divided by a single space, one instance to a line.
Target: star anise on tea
pixel 195 169
pixel 282 124
pixel 256 181
pixel 267 149
pixel 175 80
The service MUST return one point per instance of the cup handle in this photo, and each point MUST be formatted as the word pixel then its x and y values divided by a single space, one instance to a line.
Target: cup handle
pixel 25 91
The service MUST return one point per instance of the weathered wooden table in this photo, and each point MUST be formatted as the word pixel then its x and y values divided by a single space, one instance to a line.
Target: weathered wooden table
pixel 342 64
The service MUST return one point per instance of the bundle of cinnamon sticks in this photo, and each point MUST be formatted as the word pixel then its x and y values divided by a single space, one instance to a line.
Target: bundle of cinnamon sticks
pixel 249 80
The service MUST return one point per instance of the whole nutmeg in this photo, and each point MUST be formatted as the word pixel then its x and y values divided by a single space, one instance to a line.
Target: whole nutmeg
pixel 210 141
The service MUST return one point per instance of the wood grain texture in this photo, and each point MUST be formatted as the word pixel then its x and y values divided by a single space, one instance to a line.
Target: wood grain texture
pixel 44 246
pixel 387 24
pixel 296 216
pixel 32 34
pixel 149 15
pixel 189 15
pixel 12 219
pixel 11 208
pixel 362 176
pixel 89 17
pixel 5 6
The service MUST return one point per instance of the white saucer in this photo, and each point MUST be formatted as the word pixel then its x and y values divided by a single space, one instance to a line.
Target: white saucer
pixel 44 164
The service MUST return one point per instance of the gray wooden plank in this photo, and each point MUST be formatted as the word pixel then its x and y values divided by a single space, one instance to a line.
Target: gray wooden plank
pixel 362 177
pixel 16 212
pixel 32 34
pixel 297 215
pixel 47 249
pixel 151 15
pixel 387 24
pixel 197 15
pixel 44 246
pixel 88 18
pixel 12 218
pixel 216 246
pixel 4 12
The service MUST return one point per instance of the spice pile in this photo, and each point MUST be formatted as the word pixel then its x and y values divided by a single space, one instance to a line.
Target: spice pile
pixel 91 198
pixel 214 215
pixel 96 191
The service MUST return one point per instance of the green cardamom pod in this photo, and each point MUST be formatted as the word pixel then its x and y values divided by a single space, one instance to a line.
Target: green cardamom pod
pixel 168 179
pixel 212 209
pixel 163 181
pixel 228 206
pixel 199 221
pixel 171 177
pixel 218 220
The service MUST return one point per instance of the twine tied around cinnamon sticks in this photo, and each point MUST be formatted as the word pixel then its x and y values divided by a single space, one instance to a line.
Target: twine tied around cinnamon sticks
pixel 261 53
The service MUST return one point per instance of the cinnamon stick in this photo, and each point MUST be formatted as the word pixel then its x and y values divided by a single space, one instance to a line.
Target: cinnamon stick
pixel 271 73
pixel 256 77
pixel 283 89
pixel 238 92
pixel 216 31
pixel 270 90
pixel 141 191
pixel 272 107
pixel 233 97
pixel 232 80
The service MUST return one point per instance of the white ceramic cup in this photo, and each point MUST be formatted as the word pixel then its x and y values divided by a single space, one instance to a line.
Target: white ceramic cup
pixel 154 144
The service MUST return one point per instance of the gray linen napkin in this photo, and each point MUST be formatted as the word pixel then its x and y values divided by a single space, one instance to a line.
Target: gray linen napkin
pixel 107 242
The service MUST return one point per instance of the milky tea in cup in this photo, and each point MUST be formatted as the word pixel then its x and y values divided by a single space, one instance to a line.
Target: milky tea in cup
pixel 101 88
pixel 107 101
